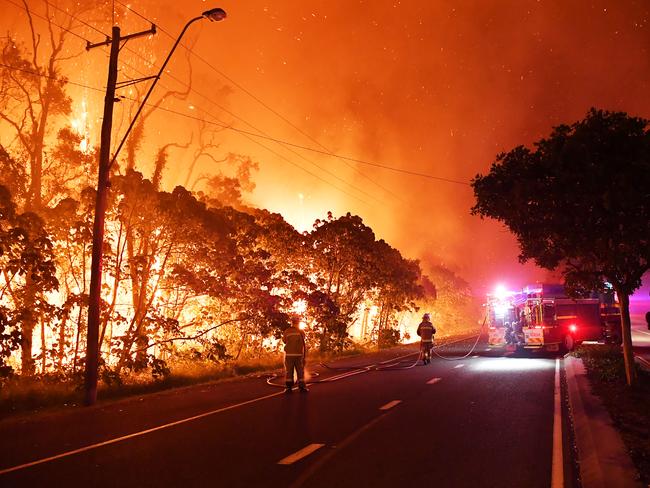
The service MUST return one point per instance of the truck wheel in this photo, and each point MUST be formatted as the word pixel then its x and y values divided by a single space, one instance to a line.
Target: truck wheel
pixel 568 344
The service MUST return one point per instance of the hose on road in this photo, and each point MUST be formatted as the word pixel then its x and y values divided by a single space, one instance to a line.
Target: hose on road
pixel 388 365
pixel 458 358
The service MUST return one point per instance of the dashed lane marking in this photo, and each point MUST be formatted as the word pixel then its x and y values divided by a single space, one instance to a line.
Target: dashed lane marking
pixel 433 381
pixel 390 405
pixel 302 453
pixel 459 366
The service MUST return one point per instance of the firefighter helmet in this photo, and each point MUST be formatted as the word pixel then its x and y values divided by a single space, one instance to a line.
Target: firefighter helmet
pixel 426 316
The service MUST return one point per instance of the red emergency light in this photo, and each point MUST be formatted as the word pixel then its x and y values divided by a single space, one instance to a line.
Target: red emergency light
pixel 573 327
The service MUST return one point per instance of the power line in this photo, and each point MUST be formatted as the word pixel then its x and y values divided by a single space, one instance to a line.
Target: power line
pixel 222 108
pixel 42 17
pixel 44 75
pixel 258 136
pixel 333 175
pixel 261 136
pixel 326 150
pixel 220 123
pixel 247 136
pixel 307 148
pixel 77 19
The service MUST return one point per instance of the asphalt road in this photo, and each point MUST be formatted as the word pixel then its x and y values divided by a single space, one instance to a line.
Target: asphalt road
pixel 477 422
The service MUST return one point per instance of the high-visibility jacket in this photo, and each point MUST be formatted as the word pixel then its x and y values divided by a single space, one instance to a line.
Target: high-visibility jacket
pixel 294 341
pixel 426 330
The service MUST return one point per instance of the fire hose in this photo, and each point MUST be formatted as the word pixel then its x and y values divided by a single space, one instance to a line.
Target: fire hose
pixel 458 358
pixel 392 364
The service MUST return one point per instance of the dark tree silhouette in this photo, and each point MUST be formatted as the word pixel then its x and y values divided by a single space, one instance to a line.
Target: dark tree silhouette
pixel 580 202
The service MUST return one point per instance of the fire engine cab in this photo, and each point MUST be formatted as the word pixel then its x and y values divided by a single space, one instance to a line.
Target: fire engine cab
pixel 544 317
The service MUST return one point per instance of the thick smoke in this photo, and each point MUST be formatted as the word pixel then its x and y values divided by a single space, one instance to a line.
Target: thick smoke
pixel 436 87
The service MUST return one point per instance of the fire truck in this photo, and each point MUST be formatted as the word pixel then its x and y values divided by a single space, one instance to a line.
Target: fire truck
pixel 544 317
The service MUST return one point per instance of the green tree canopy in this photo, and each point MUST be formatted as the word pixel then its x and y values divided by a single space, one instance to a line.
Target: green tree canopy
pixel 580 202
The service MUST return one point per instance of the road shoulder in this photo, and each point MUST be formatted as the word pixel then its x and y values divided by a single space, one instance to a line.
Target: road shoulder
pixel 602 456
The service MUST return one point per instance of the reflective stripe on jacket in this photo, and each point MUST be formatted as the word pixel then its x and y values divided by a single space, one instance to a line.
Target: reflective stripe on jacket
pixel 294 342
pixel 426 331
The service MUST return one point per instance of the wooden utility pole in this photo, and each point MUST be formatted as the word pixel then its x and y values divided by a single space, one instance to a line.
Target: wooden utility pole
pixel 103 184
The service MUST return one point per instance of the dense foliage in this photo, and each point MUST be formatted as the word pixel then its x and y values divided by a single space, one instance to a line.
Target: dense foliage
pixel 188 275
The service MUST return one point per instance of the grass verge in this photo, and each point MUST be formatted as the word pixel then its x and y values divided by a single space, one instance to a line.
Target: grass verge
pixel 22 395
pixel 629 407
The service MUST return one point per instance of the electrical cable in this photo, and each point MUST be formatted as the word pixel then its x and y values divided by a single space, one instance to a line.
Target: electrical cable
pixel 281 156
pixel 30 12
pixel 43 75
pixel 76 18
pixel 222 108
pixel 258 100
pixel 270 138
pixel 219 124
pixel 324 150
pixel 258 130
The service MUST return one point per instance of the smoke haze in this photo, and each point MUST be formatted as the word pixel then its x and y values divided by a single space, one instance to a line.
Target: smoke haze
pixel 435 87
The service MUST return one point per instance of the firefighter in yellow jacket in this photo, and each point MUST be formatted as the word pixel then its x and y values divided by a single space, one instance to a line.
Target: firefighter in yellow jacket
pixel 294 355
pixel 426 331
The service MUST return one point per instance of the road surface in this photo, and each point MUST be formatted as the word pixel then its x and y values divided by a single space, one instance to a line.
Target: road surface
pixel 480 421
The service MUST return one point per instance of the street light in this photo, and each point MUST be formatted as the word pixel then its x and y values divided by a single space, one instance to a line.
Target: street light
pixel 105 163
pixel 213 15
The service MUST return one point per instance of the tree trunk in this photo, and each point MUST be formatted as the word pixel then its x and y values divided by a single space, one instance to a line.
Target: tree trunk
pixel 27 329
pixel 626 330
pixel 43 350
pixel 61 355
pixel 76 341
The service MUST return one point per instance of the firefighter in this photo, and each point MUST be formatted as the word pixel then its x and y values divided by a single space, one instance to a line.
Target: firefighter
pixel 294 354
pixel 426 331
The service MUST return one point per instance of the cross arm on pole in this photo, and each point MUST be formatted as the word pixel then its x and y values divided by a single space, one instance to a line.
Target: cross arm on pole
pixel 108 40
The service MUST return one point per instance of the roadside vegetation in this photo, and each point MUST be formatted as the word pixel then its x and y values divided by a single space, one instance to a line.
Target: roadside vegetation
pixel 577 202
pixel 629 407
pixel 197 282
pixel 26 395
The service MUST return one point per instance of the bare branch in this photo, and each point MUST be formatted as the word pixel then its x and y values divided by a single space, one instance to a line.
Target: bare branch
pixel 190 338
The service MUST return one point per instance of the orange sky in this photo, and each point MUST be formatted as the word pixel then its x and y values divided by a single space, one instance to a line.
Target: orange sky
pixel 436 87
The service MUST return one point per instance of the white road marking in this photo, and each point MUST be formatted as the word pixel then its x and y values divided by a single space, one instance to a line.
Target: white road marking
pixel 390 405
pixel 557 465
pixel 433 381
pixel 641 331
pixel 459 366
pixel 298 455
pixel 135 434
pixel 643 361
pixel 182 421
pixel 346 375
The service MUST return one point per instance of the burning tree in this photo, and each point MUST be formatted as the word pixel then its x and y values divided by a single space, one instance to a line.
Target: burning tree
pixel 187 273
pixel 39 172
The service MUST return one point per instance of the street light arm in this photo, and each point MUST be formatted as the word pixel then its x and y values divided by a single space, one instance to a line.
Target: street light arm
pixel 156 78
